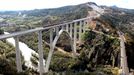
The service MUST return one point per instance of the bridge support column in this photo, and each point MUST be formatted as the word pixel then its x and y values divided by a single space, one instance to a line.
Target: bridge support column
pixel 80 31
pixel 50 52
pixel 40 50
pixel 123 63
pixel 67 27
pixel 57 30
pixel 123 58
pixel 83 27
pixel 75 37
pixel 71 30
pixel 18 56
pixel 62 27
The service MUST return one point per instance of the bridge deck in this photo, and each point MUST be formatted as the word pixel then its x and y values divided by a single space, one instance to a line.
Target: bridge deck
pixel 38 29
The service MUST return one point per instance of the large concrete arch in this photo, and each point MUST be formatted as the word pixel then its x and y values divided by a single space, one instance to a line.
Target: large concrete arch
pixel 54 44
pixel 58 35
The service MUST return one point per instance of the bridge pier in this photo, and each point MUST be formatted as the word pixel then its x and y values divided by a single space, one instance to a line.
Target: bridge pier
pixel 123 63
pixel 57 30
pixel 80 31
pixel 75 37
pixel 62 27
pixel 67 27
pixel 18 56
pixel 71 30
pixel 40 50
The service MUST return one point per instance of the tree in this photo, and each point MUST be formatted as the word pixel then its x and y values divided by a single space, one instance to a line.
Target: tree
pixel 1 31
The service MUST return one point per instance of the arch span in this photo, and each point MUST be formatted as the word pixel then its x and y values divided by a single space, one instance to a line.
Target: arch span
pixel 54 44
pixel 57 37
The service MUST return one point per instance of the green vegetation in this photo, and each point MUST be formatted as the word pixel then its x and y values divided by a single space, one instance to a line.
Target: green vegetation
pixel 7 59
pixel 1 31
pixel 104 52
pixel 43 17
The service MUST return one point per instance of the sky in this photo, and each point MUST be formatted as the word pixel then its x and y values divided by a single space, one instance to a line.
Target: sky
pixel 40 4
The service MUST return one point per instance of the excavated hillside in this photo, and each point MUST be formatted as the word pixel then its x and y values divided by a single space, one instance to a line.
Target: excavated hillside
pixel 118 19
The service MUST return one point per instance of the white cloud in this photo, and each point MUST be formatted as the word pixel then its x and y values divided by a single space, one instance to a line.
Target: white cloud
pixel 120 3
pixel 34 4
pixel 38 4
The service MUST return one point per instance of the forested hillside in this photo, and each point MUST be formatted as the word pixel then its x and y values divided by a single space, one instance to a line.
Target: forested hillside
pixel 25 20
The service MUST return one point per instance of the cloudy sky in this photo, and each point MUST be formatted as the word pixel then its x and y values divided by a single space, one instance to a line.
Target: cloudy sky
pixel 39 4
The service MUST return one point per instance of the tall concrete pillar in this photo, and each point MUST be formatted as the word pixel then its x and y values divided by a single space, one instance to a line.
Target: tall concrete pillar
pixel 67 27
pixel 40 51
pixel 75 36
pixel 123 59
pixel 80 31
pixel 84 26
pixel 18 56
pixel 71 29
pixel 57 30
pixel 62 27
pixel 123 63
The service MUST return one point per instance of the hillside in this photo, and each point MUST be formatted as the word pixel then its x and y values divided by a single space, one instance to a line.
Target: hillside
pixel 120 19
pixel 24 20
